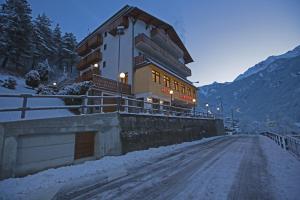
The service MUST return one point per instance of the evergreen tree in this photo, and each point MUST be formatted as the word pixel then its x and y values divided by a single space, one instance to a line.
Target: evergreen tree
pixel 57 39
pixel 42 38
pixel 16 29
pixel 69 46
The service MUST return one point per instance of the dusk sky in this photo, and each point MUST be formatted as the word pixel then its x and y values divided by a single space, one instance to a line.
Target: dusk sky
pixel 223 37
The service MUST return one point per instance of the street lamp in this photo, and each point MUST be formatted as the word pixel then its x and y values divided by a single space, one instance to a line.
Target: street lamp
pixel 121 75
pixel 194 101
pixel 171 93
pixel 207 106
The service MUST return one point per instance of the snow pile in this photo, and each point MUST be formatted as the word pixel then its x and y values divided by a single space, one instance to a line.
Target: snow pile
pixel 21 88
pixel 284 167
pixel 43 182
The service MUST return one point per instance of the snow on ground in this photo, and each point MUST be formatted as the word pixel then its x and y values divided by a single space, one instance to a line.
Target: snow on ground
pixel 27 187
pixel 284 167
pixel 21 88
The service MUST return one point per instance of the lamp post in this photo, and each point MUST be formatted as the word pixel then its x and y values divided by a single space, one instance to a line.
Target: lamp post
pixel 171 93
pixel 120 31
pixel 122 76
pixel 207 106
pixel 194 101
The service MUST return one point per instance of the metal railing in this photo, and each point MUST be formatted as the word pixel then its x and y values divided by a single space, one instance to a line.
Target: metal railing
pixel 287 142
pixel 88 104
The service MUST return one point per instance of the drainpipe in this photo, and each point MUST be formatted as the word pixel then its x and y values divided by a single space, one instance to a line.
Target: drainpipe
pixel 133 20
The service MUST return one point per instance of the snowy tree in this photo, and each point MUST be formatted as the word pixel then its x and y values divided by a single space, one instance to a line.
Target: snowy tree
pixel 57 39
pixel 69 46
pixel 44 69
pixel 16 29
pixel 42 39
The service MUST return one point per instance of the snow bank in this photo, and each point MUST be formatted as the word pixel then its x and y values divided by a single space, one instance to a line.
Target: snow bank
pixel 21 88
pixel 284 167
pixel 43 182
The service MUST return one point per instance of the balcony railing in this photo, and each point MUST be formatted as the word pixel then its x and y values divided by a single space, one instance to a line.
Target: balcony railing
pixel 153 50
pixel 165 42
pixel 94 57
pixel 104 83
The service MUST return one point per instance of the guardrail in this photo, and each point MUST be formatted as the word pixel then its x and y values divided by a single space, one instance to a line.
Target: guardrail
pixel 287 142
pixel 120 104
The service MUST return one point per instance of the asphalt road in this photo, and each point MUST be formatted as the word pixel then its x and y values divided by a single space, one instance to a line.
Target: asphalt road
pixel 226 168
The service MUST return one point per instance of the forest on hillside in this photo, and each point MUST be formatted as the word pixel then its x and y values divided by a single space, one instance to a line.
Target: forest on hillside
pixel 27 42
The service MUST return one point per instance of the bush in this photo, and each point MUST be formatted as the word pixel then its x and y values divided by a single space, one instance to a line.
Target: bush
pixel 32 78
pixel 9 83
pixel 47 90
pixel 75 89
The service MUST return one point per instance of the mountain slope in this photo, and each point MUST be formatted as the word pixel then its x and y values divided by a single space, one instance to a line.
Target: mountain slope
pixel 268 98
pixel 264 64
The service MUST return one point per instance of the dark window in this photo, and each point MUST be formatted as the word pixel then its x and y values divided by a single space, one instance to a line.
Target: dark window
pixel 105 34
pixel 104 47
pixel 155 76
pixel 166 81
pixel 104 64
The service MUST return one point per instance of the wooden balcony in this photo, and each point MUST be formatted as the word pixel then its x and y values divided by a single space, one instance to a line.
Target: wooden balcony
pixel 166 43
pixel 139 60
pixel 104 84
pixel 95 41
pixel 83 49
pixel 158 53
pixel 94 57
pixel 91 43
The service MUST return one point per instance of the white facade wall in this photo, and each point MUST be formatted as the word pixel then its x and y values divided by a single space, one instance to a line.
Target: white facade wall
pixel 127 48
pixel 110 55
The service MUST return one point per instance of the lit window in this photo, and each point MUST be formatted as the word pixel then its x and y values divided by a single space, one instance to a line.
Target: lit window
pixel 166 81
pixel 182 89
pixel 155 76
pixel 189 91
pixel 176 86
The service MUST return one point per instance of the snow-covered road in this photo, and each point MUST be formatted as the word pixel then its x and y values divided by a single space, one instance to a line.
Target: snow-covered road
pixel 237 167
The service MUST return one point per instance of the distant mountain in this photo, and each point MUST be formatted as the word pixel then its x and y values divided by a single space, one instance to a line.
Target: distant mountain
pixel 265 97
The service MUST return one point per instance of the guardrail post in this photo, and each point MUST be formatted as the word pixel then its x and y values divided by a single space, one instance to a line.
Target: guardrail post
pixel 84 104
pixel 101 103
pixel 24 105
pixel 126 105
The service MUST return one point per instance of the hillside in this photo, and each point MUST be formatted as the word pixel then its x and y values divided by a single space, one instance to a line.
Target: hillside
pixel 22 88
pixel 265 97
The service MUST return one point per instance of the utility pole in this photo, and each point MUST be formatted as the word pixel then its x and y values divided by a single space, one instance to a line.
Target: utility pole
pixel 232 118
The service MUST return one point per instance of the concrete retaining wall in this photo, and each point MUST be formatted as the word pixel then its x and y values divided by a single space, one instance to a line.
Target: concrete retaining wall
pixel 29 146
pixel 145 131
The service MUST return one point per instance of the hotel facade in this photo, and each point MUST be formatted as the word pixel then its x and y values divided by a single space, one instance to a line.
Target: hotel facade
pixel 146 50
